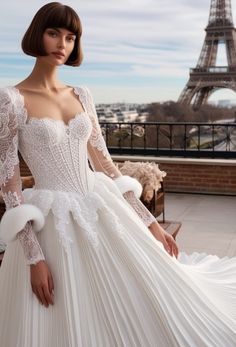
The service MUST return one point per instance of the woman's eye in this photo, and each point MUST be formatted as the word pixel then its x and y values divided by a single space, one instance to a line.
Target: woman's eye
pixel 52 34
pixel 71 39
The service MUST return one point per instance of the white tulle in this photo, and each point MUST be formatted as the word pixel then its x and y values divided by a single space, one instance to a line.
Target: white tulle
pixel 115 285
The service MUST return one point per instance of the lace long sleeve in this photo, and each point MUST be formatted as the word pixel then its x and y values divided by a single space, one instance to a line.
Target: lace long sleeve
pixel 139 207
pixel 101 160
pixel 10 180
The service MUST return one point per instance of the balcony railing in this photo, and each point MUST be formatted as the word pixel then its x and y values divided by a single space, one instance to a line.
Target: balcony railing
pixel 190 140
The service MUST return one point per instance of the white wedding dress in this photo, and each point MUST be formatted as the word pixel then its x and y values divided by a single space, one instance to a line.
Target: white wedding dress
pixel 115 285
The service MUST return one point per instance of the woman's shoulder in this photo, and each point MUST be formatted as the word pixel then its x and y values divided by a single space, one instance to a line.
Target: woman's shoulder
pixel 10 102
pixel 86 92
pixel 9 93
pixel 6 95
pixel 5 90
pixel 82 88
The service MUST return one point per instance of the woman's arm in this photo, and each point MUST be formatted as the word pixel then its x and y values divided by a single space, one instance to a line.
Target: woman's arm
pixel 101 160
pixel 17 213
pixel 10 180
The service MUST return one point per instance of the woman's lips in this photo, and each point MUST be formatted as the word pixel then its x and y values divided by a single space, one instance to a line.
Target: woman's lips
pixel 58 55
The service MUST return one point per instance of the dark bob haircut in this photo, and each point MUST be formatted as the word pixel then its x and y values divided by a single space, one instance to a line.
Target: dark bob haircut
pixel 53 15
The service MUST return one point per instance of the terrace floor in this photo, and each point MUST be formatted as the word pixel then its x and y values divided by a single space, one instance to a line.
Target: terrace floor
pixel 208 222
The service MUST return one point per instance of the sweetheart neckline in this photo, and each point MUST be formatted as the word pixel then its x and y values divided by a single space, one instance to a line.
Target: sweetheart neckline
pixel 29 120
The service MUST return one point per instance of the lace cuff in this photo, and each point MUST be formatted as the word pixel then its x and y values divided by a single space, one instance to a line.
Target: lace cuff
pixel 139 208
pixel 11 199
pixel 12 221
pixel 30 245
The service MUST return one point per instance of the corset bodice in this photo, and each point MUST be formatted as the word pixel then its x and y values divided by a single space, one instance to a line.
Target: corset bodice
pixel 56 153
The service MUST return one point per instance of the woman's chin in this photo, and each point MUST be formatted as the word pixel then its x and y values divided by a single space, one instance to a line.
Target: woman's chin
pixel 53 62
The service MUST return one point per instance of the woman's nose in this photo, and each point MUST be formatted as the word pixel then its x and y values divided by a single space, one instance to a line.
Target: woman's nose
pixel 61 43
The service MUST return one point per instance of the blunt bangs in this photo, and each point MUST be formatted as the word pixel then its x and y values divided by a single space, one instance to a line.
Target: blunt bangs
pixel 63 17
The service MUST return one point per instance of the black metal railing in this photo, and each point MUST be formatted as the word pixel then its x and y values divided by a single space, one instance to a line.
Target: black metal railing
pixel 190 140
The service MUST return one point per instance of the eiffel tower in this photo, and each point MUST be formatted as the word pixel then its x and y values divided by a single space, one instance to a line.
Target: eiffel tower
pixel 206 77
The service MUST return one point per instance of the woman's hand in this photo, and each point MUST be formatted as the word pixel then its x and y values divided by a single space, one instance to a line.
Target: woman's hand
pixel 166 239
pixel 172 244
pixel 42 283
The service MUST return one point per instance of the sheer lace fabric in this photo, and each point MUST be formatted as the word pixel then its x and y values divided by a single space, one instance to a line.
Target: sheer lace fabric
pixel 98 154
pixel 57 155
pixel 27 237
pixel 101 160
pixel 11 187
pixel 139 208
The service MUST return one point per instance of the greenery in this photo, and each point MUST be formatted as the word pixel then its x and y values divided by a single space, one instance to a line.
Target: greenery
pixel 174 112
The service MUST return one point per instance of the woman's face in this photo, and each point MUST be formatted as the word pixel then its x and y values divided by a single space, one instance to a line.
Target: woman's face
pixel 58 44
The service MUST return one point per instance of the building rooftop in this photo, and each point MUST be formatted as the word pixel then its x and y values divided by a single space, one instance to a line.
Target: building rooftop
pixel 208 222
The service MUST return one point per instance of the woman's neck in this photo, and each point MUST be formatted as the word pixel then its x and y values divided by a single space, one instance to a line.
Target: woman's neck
pixel 44 76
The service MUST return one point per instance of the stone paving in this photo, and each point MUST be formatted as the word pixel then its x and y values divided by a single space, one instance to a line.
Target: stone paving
pixel 208 222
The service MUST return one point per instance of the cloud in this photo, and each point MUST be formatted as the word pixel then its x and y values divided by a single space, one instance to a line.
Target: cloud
pixel 125 41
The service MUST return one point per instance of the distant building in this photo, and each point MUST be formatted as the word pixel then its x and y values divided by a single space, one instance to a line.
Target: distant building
pixel 121 112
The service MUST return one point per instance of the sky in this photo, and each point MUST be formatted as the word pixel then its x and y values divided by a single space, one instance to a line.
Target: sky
pixel 134 50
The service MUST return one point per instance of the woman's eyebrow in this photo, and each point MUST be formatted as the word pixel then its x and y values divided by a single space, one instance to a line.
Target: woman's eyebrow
pixel 56 29
pixel 59 31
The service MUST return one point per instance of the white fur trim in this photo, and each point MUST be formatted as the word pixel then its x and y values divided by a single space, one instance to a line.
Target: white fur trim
pixel 126 183
pixel 15 219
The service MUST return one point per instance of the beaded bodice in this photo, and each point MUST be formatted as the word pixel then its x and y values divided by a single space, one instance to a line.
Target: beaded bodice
pixel 55 152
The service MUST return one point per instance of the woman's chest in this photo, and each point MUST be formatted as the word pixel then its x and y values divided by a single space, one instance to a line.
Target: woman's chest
pixel 58 106
pixel 48 131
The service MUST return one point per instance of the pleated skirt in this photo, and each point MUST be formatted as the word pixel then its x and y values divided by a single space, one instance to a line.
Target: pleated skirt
pixel 124 292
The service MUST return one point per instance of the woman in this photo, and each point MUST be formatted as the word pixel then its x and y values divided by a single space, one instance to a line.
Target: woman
pixel 103 269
